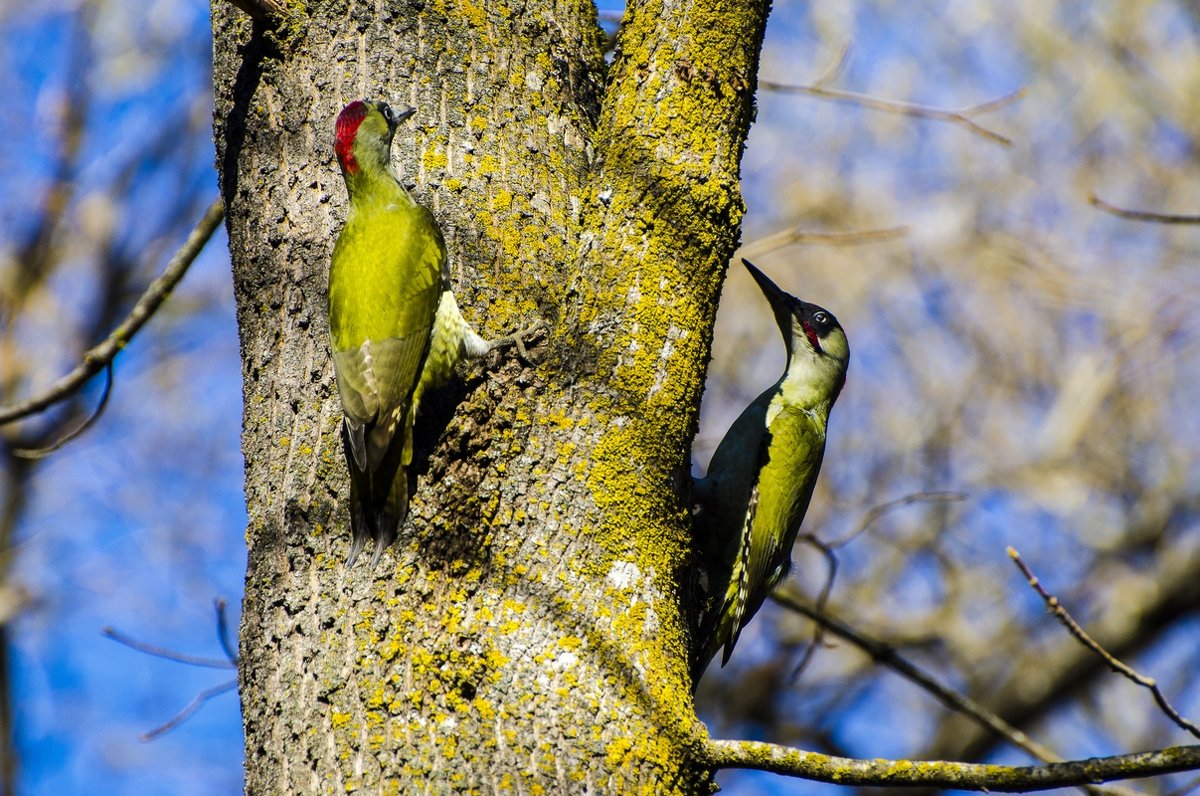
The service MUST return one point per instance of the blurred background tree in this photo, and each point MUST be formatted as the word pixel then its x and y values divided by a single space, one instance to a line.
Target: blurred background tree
pixel 138 523
pixel 1018 348
pixel 1024 373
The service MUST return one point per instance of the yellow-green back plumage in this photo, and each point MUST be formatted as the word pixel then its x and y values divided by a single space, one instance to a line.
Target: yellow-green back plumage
pixel 761 477
pixel 385 281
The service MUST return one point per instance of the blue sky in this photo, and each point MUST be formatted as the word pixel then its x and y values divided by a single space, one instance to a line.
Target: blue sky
pixel 139 523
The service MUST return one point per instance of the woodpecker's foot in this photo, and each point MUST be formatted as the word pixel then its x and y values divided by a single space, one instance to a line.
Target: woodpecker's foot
pixel 518 338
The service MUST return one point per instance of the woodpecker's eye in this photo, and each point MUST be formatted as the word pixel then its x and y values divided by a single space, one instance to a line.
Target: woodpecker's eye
pixel 821 317
pixel 387 113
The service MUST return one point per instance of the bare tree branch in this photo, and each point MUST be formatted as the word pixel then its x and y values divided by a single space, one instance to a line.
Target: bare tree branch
pixel 160 652
pixel 77 432
pixel 102 355
pixel 875 512
pixel 959 776
pixel 1074 628
pixel 794 235
pixel 886 654
pixel 836 68
pixel 961 117
pixel 831 570
pixel 1141 215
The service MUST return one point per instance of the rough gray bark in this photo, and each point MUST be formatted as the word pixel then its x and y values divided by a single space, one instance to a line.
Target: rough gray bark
pixel 529 628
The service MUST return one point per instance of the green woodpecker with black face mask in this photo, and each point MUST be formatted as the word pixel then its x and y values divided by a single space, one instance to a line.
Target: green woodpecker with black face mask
pixel 761 478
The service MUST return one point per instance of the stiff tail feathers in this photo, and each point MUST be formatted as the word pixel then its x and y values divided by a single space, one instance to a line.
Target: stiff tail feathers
pixel 729 609
pixel 378 507
pixel 391 514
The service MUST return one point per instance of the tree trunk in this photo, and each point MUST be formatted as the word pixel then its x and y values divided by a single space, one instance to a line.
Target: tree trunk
pixel 528 632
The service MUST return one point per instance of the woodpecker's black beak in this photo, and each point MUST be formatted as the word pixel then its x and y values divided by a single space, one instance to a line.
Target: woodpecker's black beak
pixel 778 299
pixel 394 116
pixel 781 303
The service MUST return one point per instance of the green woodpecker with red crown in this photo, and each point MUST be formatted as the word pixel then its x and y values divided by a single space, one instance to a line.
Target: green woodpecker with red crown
pixel 395 327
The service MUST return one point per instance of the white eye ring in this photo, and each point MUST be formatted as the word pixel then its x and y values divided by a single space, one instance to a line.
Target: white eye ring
pixel 821 317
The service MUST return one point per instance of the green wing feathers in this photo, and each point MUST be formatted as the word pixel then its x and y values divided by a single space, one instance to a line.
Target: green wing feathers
pixel 375 382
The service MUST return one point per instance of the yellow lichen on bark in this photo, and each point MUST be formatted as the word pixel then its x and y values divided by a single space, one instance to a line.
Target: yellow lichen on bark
pixel 527 630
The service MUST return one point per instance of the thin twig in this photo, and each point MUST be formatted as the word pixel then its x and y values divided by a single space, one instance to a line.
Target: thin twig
pixel 1141 215
pixel 1074 628
pixel 223 631
pixel 39 453
pixel 779 759
pixel 831 568
pixel 886 655
pixel 875 512
pixel 836 68
pixel 962 117
pixel 160 652
pixel 191 707
pixel 795 235
pixel 98 358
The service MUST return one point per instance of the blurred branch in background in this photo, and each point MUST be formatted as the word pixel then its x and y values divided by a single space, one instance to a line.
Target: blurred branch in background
pixel 102 355
pixel 796 235
pixel 1056 607
pixel 962 117
pixel 79 430
pixel 875 513
pixel 1141 215
pixel 829 551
